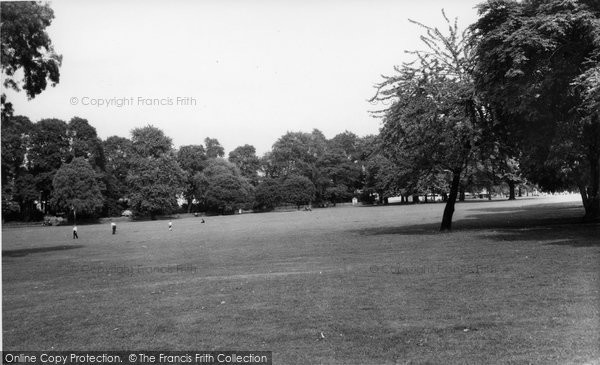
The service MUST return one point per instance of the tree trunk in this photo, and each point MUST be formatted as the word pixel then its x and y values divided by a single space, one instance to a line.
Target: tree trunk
pixel 449 209
pixel 511 189
pixel 189 201
pixel 490 192
pixel 415 199
pixel 591 195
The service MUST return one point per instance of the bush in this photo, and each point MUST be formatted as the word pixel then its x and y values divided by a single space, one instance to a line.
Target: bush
pixel 50 220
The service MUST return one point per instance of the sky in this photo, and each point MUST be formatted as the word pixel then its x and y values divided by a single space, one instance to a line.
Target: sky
pixel 244 72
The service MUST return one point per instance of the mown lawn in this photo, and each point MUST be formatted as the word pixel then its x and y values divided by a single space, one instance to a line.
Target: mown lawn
pixel 516 282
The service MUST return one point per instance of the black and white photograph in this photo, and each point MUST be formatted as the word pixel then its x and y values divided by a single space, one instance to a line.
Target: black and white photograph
pixel 300 182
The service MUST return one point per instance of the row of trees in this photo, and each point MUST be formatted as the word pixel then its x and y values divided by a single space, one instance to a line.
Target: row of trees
pixel 57 167
pixel 515 96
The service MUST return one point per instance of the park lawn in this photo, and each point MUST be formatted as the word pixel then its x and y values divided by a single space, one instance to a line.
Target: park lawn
pixel 515 282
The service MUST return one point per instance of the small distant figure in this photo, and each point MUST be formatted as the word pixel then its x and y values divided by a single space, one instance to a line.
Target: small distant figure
pixel 202 221
pixel 195 214
pixel 75 236
pixel 113 225
pixel 170 226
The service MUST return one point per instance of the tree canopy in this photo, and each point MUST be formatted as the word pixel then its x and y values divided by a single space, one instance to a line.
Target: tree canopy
pixel 26 46
pixel 434 122
pixel 76 188
pixel 537 66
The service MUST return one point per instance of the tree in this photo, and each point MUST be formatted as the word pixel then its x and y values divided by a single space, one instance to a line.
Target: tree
pixel 155 179
pixel 244 157
pixel 268 194
pixel 298 153
pixel 85 143
pixel 346 143
pixel 192 159
pixel 26 46
pixel 338 193
pixel 537 66
pixel 222 188
pixel 298 190
pixel 434 120
pixel 150 141
pixel 118 152
pixel 15 135
pixel 76 188
pixel 49 149
pixel 213 148
pixel 155 183
pixel 338 169
pixel 227 193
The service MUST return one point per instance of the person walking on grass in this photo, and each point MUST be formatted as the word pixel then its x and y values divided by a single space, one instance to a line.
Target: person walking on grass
pixel 75 236
pixel 113 225
pixel 170 226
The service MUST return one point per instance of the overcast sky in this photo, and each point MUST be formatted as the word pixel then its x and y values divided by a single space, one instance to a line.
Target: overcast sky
pixel 255 69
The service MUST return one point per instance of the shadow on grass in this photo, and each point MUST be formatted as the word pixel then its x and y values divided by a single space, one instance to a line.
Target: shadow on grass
pixel 27 251
pixel 558 224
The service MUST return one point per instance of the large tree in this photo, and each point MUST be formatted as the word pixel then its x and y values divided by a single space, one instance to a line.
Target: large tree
pixel 84 142
pixel 26 46
pixel 18 187
pixel 268 194
pixel 434 121
pixel 155 183
pixel 77 189
pixel 150 141
pixel 118 152
pixel 221 188
pixel 155 179
pixel 298 153
pixel 298 190
pixel 213 148
pixel 537 65
pixel 192 159
pixel 244 157
pixel 49 149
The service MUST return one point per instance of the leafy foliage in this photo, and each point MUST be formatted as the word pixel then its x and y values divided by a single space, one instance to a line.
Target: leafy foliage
pixel 434 122
pixel 155 178
pixel 192 159
pixel 26 46
pixel 222 188
pixel 298 190
pixel 244 157
pixel 155 183
pixel 76 187
pixel 85 143
pixel 213 148
pixel 150 141
pixel 537 66
pixel 268 194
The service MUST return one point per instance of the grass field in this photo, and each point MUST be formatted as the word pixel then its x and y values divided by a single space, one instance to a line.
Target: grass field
pixel 516 282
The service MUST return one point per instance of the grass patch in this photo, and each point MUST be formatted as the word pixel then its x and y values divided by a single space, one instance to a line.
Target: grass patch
pixel 516 282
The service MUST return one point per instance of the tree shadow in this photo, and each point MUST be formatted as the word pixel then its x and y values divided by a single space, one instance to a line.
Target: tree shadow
pixel 558 224
pixel 27 251
pixel 574 235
